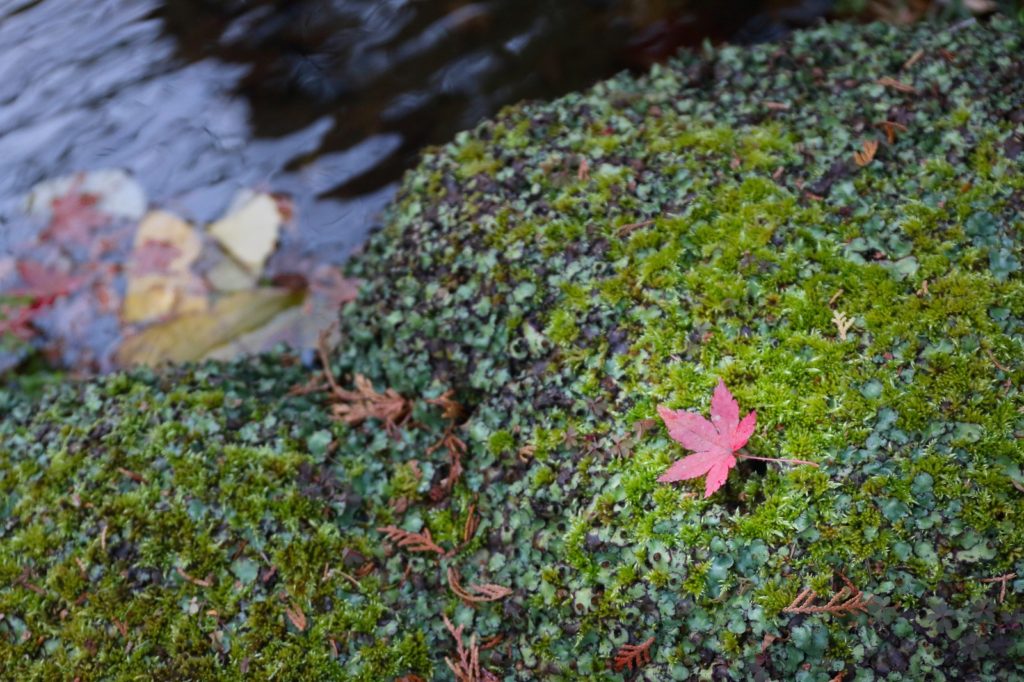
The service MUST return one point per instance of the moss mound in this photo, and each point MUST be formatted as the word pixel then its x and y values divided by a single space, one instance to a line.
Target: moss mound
pixel 209 523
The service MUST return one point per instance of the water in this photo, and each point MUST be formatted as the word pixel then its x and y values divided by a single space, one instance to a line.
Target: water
pixel 327 102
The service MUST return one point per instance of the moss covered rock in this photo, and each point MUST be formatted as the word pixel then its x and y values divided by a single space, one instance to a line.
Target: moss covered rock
pixel 564 269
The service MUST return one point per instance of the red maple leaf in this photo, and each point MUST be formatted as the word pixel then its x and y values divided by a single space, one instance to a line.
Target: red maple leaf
pixel 714 442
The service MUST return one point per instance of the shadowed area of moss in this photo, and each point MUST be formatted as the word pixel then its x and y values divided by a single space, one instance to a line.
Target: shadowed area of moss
pixel 207 523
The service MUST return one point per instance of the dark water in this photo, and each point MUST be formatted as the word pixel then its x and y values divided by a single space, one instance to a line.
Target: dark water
pixel 325 101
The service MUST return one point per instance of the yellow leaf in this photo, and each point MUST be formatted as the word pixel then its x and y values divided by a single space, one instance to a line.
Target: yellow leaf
pixel 249 233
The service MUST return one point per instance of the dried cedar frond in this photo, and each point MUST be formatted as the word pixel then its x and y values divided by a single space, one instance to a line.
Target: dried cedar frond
pixel 475 593
pixel 414 542
pixel 847 600
pixel 467 667
pixel 632 656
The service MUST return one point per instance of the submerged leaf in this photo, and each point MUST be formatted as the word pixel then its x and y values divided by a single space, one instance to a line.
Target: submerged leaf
pixel 191 337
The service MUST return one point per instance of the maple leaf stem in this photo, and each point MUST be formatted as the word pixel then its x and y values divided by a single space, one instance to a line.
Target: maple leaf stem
pixel 743 455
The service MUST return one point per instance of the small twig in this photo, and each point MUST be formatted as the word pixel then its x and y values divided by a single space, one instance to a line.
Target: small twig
pixel 914 58
pixel 1002 580
pixel 138 478
pixel 191 579
pixel 897 85
pixel 472 523
pixel 623 230
pixel 995 361
pixel 325 361
pixel 23 580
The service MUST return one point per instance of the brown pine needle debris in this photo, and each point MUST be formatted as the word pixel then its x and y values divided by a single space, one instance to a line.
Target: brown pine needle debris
pixel 847 600
pixel 863 158
pixel 356 406
pixel 472 523
pixel 467 666
pixel 890 128
pixel 484 592
pixel 450 408
pixel 583 172
pixel 456 448
pixel 414 542
pixel 914 58
pixel 632 656
pixel 897 85
pixel 296 616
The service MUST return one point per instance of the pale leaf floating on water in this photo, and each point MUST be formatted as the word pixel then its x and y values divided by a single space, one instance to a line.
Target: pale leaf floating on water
pixel 249 230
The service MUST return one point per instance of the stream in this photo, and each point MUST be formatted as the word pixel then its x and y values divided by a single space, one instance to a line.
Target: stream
pixel 326 103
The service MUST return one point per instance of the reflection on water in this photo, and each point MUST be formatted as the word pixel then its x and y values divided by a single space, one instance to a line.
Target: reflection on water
pixel 324 101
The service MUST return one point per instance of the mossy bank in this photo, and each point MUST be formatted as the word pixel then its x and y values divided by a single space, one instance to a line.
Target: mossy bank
pixel 564 269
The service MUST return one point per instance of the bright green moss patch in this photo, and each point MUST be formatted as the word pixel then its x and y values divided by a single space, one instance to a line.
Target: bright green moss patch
pixel 209 523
